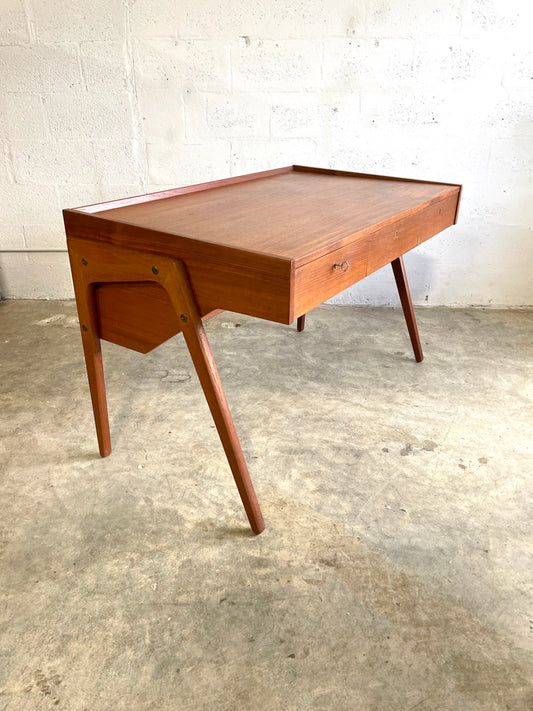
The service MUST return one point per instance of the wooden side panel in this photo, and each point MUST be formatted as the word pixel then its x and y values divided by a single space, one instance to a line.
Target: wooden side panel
pixel 222 277
pixel 257 289
pixel 137 315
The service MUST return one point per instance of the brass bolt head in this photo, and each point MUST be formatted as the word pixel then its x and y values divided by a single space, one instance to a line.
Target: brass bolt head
pixel 155 270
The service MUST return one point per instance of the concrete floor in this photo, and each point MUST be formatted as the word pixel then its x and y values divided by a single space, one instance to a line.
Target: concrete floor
pixel 395 572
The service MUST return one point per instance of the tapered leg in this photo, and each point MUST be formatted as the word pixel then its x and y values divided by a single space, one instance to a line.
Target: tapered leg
pixel 301 323
pixel 407 305
pixel 94 263
pixel 204 363
pixel 93 360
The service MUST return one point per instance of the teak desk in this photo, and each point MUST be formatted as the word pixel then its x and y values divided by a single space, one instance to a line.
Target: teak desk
pixel 273 245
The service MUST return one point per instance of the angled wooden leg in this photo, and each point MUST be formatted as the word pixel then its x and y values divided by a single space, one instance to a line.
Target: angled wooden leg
pixel 182 298
pixel 407 305
pixel 93 357
pixel 301 323
pixel 94 263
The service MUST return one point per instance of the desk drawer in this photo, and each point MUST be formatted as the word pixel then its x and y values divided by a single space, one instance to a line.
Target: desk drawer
pixel 319 280
pixel 323 278
pixel 394 240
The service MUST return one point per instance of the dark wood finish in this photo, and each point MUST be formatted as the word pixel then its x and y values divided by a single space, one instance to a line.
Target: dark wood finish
pixel 93 263
pixel 400 276
pixel 272 245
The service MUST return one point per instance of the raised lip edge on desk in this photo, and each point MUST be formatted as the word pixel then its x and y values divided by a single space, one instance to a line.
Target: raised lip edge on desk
pixel 95 208
pixel 93 212
pixel 174 192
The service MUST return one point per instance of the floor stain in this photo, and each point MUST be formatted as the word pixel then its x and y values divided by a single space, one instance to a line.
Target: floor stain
pixel 426 445
pixel 58 319
pixel 47 683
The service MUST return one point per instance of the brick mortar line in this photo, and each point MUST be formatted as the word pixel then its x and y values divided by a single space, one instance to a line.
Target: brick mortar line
pixel 138 138
pixel 30 20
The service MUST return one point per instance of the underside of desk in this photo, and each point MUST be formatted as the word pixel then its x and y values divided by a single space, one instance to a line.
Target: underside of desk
pixel 137 315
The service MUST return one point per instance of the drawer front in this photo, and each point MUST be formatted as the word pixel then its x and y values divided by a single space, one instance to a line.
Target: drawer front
pixel 323 278
pixel 389 243
pixel 318 281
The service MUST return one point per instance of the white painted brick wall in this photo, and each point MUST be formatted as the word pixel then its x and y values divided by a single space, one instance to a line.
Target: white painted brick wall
pixel 40 68
pixel 53 162
pixel 104 66
pixel 22 116
pixel 202 161
pixel 89 117
pixel 105 98
pixel 72 20
pixel 14 27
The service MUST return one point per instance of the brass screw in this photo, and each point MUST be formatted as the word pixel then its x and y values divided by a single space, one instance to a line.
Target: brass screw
pixel 183 318
pixel 84 261
pixel 155 270
pixel 84 328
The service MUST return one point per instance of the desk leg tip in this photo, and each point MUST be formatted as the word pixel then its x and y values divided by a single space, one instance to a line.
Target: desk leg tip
pixel 257 526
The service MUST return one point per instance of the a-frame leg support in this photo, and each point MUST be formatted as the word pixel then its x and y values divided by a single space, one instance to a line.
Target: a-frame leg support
pixel 400 276
pixel 94 263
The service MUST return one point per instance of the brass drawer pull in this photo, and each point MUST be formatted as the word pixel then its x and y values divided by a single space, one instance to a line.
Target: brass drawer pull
pixel 344 266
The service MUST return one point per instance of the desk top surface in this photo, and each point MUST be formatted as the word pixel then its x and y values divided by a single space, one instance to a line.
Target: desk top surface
pixel 289 213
